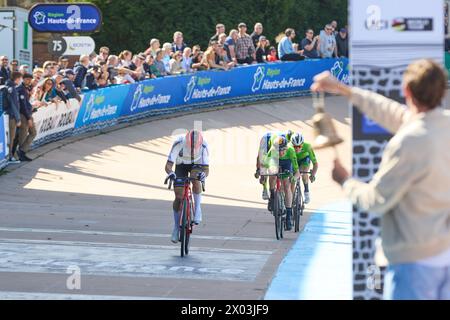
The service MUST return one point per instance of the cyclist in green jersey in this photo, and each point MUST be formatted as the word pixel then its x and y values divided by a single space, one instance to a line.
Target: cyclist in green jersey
pixel 282 158
pixel 264 146
pixel 305 156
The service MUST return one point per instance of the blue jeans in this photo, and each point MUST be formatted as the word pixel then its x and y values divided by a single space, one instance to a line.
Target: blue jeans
pixel 412 281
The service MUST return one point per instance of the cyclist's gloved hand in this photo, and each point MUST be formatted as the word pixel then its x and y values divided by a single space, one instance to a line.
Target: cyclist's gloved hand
pixel 172 176
pixel 312 178
pixel 257 174
pixel 201 176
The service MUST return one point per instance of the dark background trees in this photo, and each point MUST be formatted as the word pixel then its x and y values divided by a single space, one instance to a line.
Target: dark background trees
pixel 130 24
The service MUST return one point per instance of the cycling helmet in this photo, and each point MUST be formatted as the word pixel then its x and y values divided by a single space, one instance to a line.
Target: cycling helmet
pixel 194 141
pixel 297 140
pixel 281 142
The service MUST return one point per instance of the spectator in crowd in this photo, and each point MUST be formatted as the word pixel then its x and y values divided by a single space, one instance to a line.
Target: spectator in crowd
pixel 14 65
pixel 12 109
pixel 222 58
pixel 230 45
pixel 59 89
pixel 272 55
pixel 38 73
pixel 159 63
pixel 199 63
pixel 327 46
pixel 137 67
pixel 286 50
pixel 261 50
pixel 91 77
pixel 23 69
pixel 167 48
pixel 245 50
pixel 220 28
pixel 210 57
pixel 43 95
pixel 310 44
pixel 178 44
pixel 257 33
pixel 123 76
pixel 149 68
pixel 186 63
pixel 175 63
pixel 222 39
pixel 68 76
pixel 103 54
pixel 154 47
pixel 81 70
pixel 125 58
pixel 50 68
pixel 113 64
pixel 342 43
pixel 5 73
pixel 27 130
pixel 63 63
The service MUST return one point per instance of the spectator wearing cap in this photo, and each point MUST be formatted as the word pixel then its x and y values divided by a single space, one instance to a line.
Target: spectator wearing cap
pixel 261 49
pixel 5 73
pixel 81 69
pixel 63 63
pixel 310 44
pixel 91 78
pixel 178 44
pixel 137 67
pixel 342 43
pixel 27 130
pixel 272 55
pixel 154 46
pixel 257 33
pixel 230 45
pixel 245 50
pixel 286 50
pixel 67 81
pixel 220 28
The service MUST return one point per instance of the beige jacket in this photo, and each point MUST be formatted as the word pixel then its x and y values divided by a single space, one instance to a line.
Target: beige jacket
pixel 411 190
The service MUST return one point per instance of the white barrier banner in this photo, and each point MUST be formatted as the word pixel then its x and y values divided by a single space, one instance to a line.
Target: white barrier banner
pixel 56 118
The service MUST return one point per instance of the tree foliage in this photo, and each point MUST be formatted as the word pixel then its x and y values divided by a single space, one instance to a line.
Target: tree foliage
pixel 130 24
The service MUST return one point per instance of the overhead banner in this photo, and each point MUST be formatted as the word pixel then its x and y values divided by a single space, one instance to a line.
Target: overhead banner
pixel 386 36
pixel 55 118
pixel 65 17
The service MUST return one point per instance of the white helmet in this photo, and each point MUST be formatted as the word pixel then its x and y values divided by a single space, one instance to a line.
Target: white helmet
pixel 297 139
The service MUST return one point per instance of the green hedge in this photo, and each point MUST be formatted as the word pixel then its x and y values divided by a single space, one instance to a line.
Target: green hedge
pixel 131 24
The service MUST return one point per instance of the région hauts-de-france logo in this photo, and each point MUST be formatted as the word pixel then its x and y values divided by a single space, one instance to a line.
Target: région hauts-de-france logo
pixel 39 17
pixel 258 78
pixel 190 88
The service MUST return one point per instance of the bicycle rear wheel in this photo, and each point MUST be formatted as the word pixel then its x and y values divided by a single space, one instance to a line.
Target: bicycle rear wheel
pixel 184 229
pixel 277 215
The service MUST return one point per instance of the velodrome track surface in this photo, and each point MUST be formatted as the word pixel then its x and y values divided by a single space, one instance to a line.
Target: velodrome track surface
pixel 99 204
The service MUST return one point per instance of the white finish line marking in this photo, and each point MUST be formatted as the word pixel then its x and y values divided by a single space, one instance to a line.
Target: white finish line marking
pixel 34 256
pixel 132 234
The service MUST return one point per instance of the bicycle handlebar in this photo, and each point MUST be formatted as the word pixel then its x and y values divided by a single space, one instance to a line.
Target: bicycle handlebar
pixel 188 179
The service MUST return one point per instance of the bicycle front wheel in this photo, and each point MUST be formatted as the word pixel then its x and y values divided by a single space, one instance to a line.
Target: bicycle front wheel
pixel 188 230
pixel 184 229
pixel 298 208
pixel 277 215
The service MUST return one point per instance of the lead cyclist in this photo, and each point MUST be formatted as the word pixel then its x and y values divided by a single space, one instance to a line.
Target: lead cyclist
pixel 190 154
